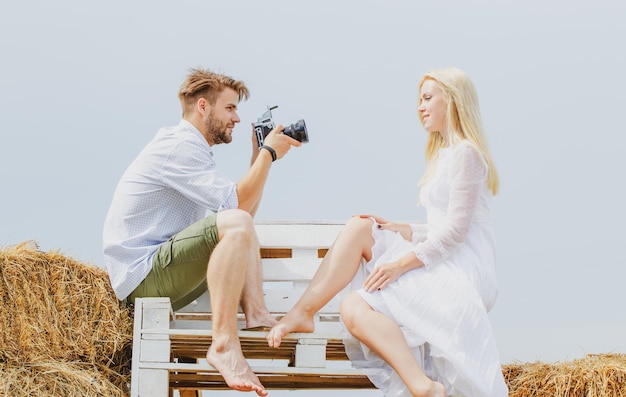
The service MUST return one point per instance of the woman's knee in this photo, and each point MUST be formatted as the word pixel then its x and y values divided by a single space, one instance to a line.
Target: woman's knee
pixel 359 225
pixel 349 310
pixel 358 234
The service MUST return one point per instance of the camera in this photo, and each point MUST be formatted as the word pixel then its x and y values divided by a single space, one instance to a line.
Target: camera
pixel 265 125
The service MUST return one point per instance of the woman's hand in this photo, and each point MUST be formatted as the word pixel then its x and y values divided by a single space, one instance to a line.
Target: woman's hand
pixel 403 228
pixel 378 219
pixel 383 275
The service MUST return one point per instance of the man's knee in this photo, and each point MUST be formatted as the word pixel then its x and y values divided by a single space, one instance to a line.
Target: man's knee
pixel 235 222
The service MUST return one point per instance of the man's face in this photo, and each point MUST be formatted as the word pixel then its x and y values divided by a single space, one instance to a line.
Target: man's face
pixel 222 117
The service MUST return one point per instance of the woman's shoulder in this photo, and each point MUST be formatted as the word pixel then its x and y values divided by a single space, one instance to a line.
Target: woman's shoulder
pixel 468 153
pixel 462 149
pixel 465 145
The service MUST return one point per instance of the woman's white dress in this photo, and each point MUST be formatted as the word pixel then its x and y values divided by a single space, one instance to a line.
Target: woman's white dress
pixel 442 307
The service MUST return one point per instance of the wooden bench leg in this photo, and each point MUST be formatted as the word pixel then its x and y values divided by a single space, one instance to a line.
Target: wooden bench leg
pixel 310 353
pixel 188 392
pixel 150 313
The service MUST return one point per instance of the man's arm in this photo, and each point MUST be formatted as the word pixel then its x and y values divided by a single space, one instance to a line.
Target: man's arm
pixel 255 154
pixel 250 187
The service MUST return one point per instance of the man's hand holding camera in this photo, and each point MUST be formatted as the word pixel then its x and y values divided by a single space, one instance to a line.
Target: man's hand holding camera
pixel 278 142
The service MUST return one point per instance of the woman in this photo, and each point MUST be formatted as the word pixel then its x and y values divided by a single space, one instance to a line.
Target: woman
pixel 418 313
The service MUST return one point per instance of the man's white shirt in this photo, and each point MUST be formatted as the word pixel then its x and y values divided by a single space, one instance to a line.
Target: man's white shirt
pixel 171 184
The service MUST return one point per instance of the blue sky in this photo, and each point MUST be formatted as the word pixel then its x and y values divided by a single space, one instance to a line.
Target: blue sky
pixel 84 86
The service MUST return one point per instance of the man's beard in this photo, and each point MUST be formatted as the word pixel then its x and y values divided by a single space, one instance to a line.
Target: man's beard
pixel 217 130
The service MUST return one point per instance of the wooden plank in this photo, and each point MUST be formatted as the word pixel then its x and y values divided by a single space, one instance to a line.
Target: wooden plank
pixel 203 319
pixel 152 382
pixel 206 377
pixel 243 335
pixel 157 350
pixel 310 353
pixel 278 299
pixel 204 366
pixel 213 381
pixel 151 312
pixel 300 268
pixel 258 350
pixel 276 253
pixel 297 234
pixel 156 312
pixel 138 319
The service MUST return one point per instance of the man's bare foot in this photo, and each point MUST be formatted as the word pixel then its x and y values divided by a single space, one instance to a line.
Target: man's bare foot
pixel 292 322
pixel 229 361
pixel 260 320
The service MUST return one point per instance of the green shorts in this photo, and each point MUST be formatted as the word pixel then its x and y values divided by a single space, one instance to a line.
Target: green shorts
pixel 179 265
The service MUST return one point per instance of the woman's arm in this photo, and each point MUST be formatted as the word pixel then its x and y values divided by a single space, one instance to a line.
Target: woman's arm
pixel 467 174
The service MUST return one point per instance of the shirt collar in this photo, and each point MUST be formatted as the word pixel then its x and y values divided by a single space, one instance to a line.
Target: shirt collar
pixel 184 124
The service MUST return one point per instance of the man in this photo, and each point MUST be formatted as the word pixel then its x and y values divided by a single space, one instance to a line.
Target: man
pixel 158 239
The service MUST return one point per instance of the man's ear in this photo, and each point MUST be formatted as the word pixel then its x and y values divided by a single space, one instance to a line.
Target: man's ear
pixel 203 106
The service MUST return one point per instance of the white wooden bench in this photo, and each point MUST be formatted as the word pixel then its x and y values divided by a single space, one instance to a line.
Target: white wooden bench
pixel 169 347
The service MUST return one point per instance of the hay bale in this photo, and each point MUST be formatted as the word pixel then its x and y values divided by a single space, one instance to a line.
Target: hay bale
pixel 596 375
pixel 58 315
pixel 56 308
pixel 55 379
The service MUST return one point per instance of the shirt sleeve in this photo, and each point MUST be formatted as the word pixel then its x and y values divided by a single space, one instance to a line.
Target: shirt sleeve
pixel 466 174
pixel 190 170
pixel 419 232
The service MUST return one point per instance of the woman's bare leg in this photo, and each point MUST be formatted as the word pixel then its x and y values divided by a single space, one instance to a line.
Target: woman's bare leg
pixel 384 337
pixel 335 272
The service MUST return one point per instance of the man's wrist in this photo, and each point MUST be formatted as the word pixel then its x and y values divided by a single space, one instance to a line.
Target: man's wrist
pixel 271 150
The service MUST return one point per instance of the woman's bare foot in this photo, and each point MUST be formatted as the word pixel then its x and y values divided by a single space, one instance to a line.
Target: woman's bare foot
pixel 292 322
pixel 228 359
pixel 434 389
pixel 438 390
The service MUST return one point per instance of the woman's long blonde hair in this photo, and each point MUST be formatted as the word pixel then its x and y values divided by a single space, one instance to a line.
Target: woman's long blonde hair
pixel 463 120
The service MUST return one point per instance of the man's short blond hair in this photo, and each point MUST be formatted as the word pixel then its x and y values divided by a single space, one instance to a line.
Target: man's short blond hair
pixel 203 83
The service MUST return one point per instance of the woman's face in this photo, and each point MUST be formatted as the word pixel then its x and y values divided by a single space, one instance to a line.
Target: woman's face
pixel 432 107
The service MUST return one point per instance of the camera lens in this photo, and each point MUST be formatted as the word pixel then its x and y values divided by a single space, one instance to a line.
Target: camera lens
pixel 297 131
